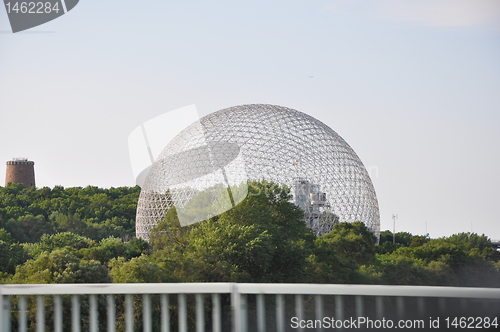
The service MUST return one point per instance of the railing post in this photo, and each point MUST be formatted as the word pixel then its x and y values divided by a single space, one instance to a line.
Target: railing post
pixel 146 313
pixel 165 313
pixel 318 308
pixel 280 313
pixel 379 307
pixel 58 313
pixel 23 317
pixel 463 305
pixel 236 308
pixel 339 308
pixel 129 313
pixel 40 313
pixel 244 312
pixel 3 318
pixel 216 313
pixel 182 304
pixel 299 308
pixel 261 313
pixel 5 313
pixel 75 313
pixel 442 305
pixel 400 304
pixel 110 299
pixel 359 305
pixel 93 313
pixel 200 313
pixel 421 306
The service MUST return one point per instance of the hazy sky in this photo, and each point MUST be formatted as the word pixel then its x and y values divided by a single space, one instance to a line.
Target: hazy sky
pixel 412 86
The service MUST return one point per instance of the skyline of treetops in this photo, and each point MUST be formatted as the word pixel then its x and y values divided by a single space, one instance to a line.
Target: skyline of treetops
pixel 73 235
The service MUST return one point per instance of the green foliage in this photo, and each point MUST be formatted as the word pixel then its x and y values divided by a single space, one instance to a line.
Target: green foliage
pixel 470 240
pixel 64 223
pixel 28 213
pixel 71 235
pixel 69 255
pixel 338 254
pixel 262 239
pixel 11 255
pixel 51 242
pixel 418 241
pixel 230 252
pixel 168 235
pixel 28 228
pixel 278 229
pixel 60 266
pixel 388 247
pixel 112 247
pixel 401 270
pixel 352 241
pixel 463 259
pixel 5 236
pixel 401 239
pixel 138 270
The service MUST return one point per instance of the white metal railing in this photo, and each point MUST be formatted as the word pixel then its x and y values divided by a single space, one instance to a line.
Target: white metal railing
pixel 238 298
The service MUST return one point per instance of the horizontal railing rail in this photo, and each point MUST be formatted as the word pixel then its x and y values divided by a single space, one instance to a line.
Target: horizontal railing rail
pixel 242 300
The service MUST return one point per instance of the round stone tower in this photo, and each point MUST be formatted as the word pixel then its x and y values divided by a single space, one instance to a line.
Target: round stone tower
pixel 20 170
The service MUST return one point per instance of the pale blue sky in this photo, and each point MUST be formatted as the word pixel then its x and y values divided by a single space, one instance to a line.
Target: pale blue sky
pixel 412 86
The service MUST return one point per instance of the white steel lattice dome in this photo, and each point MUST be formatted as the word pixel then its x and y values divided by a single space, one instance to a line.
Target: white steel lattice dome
pixel 260 142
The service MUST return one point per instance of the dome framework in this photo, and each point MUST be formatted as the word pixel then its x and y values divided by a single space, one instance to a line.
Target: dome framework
pixel 218 153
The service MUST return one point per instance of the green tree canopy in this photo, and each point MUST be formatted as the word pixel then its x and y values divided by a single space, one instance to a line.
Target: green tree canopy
pixel 138 270
pixel 28 213
pixel 338 254
pixel 60 266
pixel 262 239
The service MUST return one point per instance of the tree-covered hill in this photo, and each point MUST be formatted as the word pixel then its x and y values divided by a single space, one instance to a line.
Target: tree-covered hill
pixel 86 235
pixel 67 235
pixel 28 213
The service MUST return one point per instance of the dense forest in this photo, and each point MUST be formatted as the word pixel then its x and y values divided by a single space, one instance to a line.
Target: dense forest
pixel 79 235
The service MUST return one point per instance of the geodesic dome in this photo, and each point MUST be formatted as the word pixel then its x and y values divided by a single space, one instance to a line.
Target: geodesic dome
pixel 225 149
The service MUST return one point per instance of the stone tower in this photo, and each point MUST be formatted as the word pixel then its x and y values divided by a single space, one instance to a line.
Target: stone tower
pixel 20 170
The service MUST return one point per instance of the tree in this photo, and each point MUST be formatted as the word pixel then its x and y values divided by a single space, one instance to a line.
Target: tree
pixel 401 239
pixel 58 267
pixel 51 242
pixel 168 235
pixel 113 247
pixel 402 270
pixel 338 254
pixel 61 266
pixel 5 236
pixel 65 223
pixel 93 212
pixel 138 270
pixel 404 238
pixel 459 260
pixel 474 243
pixel 261 239
pixel 11 254
pixel 224 251
pixel 28 228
